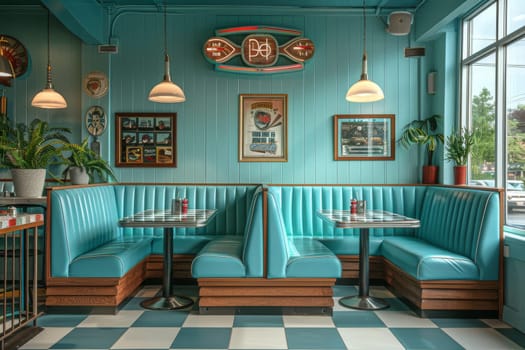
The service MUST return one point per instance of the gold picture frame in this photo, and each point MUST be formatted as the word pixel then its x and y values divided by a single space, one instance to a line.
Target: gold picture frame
pixel 263 128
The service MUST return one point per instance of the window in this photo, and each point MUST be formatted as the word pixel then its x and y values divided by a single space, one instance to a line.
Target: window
pixel 494 99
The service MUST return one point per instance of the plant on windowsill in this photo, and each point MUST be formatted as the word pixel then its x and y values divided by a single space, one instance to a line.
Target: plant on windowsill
pixel 28 150
pixel 424 132
pixel 459 146
pixel 85 166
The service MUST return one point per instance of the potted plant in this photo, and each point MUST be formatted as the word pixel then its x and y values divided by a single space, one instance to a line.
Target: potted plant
pixel 458 148
pixel 424 132
pixel 83 164
pixel 28 150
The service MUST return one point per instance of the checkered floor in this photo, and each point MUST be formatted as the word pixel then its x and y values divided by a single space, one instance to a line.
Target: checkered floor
pixel 394 328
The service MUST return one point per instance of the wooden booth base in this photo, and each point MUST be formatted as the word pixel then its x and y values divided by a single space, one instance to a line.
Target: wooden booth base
pixel 444 298
pixel 289 295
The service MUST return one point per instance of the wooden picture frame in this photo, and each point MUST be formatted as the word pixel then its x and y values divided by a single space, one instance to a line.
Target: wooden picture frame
pixel 146 139
pixel 263 128
pixel 364 137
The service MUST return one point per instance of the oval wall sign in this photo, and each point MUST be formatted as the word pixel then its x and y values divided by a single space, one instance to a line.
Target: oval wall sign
pixel 260 49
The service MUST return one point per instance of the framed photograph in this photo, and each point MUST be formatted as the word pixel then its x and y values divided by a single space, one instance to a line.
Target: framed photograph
pixel 146 139
pixel 263 133
pixel 364 137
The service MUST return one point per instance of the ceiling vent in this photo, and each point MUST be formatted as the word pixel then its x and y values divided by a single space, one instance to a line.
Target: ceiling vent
pixel 108 48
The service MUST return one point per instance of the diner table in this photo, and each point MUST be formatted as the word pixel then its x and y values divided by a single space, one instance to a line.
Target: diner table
pixel 167 220
pixel 364 222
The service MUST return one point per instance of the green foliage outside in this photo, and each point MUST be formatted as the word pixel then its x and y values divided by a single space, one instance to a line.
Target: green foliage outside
pixel 484 127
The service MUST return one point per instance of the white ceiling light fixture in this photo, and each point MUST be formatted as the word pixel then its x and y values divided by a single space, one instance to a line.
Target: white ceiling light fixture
pixel 48 98
pixel 166 91
pixel 364 90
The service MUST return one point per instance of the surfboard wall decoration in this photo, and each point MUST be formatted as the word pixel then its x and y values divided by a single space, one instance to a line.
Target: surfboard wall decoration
pixel 258 50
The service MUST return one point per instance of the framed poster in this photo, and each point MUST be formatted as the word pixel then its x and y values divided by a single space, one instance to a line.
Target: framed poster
pixel 263 122
pixel 146 139
pixel 364 137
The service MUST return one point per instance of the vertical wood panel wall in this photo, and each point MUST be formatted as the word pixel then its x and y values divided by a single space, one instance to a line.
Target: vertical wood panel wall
pixel 207 138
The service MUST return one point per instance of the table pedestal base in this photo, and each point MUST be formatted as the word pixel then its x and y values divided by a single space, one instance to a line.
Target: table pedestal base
pixel 167 303
pixel 363 302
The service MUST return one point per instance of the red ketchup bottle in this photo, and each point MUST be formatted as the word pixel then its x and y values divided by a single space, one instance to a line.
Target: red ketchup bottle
pixel 184 205
pixel 353 206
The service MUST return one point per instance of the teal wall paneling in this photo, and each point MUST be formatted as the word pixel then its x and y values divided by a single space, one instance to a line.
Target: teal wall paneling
pixel 207 135
pixel 208 120
pixel 29 25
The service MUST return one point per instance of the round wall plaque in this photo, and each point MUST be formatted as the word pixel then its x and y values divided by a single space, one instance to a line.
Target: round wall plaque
pixel 96 84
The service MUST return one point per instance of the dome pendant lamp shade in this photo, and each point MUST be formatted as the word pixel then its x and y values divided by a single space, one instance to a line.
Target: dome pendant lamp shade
pixel 48 98
pixel 166 91
pixel 364 90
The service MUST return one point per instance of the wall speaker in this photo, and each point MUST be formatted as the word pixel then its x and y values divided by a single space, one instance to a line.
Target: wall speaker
pixel 431 83
pixel 399 23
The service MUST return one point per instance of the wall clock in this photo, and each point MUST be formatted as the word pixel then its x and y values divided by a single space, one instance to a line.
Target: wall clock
pixel 16 53
pixel 96 120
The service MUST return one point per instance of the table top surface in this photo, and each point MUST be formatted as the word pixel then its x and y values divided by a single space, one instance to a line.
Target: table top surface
pixel 29 201
pixel 164 218
pixel 369 219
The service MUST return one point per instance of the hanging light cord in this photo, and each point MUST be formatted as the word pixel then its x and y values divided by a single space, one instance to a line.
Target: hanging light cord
pixel 49 84
pixel 364 28
pixel 165 31
pixel 364 68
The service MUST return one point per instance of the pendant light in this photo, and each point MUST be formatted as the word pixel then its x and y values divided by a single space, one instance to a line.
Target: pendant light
pixel 166 91
pixel 48 98
pixel 364 90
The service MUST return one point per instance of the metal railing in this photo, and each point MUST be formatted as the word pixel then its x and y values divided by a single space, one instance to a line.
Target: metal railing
pixel 19 280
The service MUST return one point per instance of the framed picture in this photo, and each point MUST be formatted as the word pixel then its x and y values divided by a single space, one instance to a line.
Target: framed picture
pixel 146 139
pixel 263 122
pixel 364 137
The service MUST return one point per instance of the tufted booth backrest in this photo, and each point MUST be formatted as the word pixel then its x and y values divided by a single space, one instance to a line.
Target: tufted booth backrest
pixel 299 204
pixel 81 219
pixel 252 251
pixel 231 201
pixel 464 221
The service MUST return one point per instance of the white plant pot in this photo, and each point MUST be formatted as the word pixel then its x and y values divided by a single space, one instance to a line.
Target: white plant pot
pixel 78 176
pixel 29 182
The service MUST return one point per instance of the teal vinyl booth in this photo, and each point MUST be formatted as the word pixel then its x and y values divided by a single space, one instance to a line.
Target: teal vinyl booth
pixel 451 262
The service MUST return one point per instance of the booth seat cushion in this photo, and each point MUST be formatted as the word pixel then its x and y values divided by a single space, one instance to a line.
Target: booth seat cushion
pixel 309 258
pixel 425 261
pixel 112 259
pixel 221 257
pixel 350 245
pixel 185 244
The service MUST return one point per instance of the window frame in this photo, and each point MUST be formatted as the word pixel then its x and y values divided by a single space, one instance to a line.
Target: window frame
pixel 499 48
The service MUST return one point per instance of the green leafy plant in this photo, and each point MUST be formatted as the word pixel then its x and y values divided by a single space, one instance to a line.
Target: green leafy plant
pixel 84 157
pixel 33 146
pixel 423 132
pixel 459 146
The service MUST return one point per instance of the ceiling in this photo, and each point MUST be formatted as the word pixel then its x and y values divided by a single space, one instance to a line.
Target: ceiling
pixel 405 4
pixel 378 4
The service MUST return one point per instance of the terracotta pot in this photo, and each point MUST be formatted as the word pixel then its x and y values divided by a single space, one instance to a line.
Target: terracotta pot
pixel 430 174
pixel 460 175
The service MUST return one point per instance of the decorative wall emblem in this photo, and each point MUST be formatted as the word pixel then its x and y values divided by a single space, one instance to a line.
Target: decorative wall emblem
pixel 258 49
